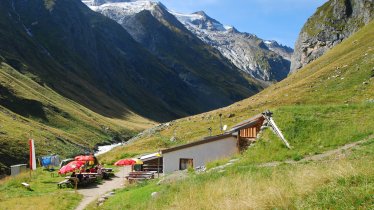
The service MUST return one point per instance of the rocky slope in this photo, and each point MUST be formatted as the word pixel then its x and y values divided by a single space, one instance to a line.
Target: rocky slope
pixel 246 51
pixel 264 60
pixel 333 22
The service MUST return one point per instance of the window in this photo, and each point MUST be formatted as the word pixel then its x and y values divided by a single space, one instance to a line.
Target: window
pixel 185 163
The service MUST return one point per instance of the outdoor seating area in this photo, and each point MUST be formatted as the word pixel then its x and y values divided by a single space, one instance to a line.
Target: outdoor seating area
pixel 139 174
pixel 85 170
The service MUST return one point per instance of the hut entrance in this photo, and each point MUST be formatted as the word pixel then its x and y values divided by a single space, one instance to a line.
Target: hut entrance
pixel 185 163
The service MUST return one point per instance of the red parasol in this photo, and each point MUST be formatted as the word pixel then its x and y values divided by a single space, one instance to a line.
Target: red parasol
pixel 70 167
pixel 84 158
pixel 125 162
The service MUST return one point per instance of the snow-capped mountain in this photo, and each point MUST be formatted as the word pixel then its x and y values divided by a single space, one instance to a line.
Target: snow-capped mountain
pixel 263 60
pixel 201 67
pixel 126 13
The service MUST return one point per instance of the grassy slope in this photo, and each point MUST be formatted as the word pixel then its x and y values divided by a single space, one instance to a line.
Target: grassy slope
pixel 316 110
pixel 347 183
pixel 44 193
pixel 57 124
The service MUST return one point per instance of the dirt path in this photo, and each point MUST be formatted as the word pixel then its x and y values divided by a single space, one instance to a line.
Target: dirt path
pixel 91 194
pixel 318 157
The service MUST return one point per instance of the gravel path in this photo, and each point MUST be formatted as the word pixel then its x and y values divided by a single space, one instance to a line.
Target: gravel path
pixel 92 193
pixel 318 157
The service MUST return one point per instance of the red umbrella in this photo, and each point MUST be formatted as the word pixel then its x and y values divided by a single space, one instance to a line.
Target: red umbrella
pixel 70 167
pixel 125 162
pixel 84 158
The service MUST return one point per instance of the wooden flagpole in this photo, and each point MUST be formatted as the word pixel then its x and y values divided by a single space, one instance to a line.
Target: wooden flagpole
pixel 30 152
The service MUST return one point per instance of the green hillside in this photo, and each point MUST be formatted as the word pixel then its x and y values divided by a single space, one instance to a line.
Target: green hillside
pixel 91 59
pixel 327 104
pixel 340 80
pixel 57 124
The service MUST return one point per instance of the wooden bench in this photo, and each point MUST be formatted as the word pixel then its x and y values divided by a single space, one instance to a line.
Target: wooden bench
pixel 88 178
pixel 139 175
pixel 107 173
pixel 107 170
pixel 91 174
pixel 65 183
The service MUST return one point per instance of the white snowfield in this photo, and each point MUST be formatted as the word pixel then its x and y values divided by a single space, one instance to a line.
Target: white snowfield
pixel 200 19
pixel 125 7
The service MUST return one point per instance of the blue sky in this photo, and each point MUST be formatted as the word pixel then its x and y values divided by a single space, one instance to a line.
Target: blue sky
pixel 279 20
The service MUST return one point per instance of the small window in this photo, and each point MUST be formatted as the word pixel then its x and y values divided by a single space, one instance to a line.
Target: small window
pixel 185 163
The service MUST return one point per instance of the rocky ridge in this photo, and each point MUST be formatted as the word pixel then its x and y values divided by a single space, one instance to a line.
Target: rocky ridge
pixel 262 59
pixel 333 22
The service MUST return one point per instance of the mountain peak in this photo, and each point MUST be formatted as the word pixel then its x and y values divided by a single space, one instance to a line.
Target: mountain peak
pixel 202 13
pixel 201 20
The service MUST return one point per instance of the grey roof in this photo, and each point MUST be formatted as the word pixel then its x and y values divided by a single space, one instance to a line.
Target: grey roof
pixel 246 123
pixel 203 141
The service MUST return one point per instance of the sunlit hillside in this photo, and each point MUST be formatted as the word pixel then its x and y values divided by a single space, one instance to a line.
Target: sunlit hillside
pixel 324 106
pixel 327 96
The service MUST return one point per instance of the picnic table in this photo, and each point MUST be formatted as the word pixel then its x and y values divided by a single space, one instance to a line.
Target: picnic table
pixel 88 178
pixel 139 175
pixel 91 174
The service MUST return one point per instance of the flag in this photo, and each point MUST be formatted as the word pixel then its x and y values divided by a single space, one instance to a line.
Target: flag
pixel 32 155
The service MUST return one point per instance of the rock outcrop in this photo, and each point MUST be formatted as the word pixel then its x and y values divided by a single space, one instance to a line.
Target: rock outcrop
pixel 333 22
